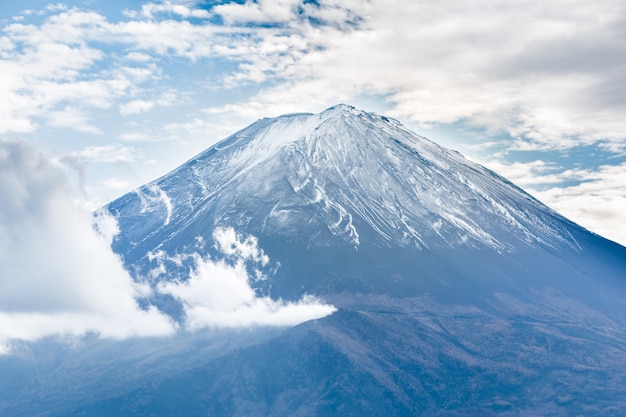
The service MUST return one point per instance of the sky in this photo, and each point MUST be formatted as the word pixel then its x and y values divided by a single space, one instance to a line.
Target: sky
pixel 119 93
pixel 100 97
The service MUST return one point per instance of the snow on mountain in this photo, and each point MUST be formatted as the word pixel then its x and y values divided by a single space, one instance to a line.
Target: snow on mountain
pixel 343 174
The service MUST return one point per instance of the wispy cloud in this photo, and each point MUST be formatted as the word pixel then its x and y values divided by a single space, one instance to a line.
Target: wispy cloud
pixel 142 106
pixel 597 202
pixel 105 153
pixel 117 184
pixel 537 174
pixel 79 160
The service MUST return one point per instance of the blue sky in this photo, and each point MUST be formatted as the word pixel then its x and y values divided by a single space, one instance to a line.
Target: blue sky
pixel 118 93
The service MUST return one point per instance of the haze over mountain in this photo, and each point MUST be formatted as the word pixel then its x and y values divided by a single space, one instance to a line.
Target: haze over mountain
pixel 419 283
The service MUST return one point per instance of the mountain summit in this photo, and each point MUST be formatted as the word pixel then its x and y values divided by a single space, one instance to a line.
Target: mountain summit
pixel 452 291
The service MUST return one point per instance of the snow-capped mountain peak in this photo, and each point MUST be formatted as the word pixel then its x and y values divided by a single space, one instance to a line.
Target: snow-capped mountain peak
pixel 345 175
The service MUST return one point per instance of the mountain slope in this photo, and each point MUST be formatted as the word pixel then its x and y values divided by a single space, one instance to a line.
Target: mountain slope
pixel 456 292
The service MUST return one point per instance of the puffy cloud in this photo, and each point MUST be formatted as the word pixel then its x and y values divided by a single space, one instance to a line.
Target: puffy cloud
pixel 219 293
pixel 59 274
pixel 277 11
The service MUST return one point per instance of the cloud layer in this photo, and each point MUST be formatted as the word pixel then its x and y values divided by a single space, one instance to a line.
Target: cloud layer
pixel 550 73
pixel 60 277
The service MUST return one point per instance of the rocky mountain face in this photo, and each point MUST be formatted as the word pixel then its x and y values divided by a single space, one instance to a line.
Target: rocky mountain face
pixel 456 292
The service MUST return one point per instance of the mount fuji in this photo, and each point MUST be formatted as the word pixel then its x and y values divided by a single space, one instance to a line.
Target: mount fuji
pixel 436 287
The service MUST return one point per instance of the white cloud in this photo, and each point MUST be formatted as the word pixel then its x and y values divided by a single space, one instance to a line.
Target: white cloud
pixel 549 72
pixel 597 203
pixel 150 10
pixel 79 160
pixel 73 118
pixel 138 57
pixel 218 293
pixel 536 174
pixel 41 79
pixel 260 54
pixel 263 11
pixel 136 106
pixel 60 276
pixel 47 66
pixel 232 244
pixel 142 106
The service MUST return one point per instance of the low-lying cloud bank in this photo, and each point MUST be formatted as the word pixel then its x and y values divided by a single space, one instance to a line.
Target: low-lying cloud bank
pixel 218 293
pixel 59 276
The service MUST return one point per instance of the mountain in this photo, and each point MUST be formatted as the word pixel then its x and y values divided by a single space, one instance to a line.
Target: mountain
pixel 456 292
